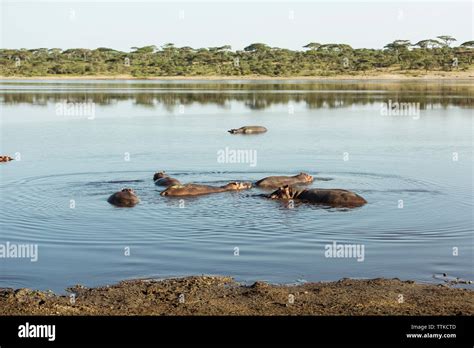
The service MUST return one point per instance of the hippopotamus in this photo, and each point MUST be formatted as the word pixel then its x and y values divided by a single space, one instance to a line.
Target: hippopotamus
pixel 279 181
pixel 330 197
pixel 5 159
pixel 163 179
pixel 196 190
pixel 124 198
pixel 248 130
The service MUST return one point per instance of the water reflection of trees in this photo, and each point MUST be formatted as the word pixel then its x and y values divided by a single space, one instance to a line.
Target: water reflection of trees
pixel 256 96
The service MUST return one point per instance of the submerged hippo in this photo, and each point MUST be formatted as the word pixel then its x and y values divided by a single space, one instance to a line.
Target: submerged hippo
pixel 248 130
pixel 5 159
pixel 279 181
pixel 196 190
pixel 163 179
pixel 124 198
pixel 331 197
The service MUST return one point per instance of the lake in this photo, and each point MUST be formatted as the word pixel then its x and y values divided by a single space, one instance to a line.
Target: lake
pixel 77 142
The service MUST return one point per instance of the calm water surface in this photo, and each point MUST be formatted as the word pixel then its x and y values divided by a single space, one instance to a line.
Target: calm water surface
pixel 334 131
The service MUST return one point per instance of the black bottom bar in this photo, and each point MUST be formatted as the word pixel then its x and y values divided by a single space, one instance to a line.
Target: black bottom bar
pixel 452 331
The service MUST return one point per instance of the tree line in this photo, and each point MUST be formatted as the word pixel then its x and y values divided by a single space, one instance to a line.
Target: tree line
pixel 315 59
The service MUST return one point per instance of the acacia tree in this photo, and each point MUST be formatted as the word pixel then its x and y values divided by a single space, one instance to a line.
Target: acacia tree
pixel 398 48
pixel 446 39
pixel 468 44
pixel 256 47
pixel 312 45
pixel 429 43
pixel 145 50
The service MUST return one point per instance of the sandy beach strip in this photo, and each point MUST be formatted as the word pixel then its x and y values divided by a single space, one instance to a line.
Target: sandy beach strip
pixel 386 76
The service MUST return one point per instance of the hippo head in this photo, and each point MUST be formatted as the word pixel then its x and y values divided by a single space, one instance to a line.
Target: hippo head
pixel 128 191
pixel 159 175
pixel 305 177
pixel 170 188
pixel 236 186
pixel 285 192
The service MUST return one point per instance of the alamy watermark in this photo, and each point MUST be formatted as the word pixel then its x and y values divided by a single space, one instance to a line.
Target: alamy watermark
pixel 81 109
pixel 245 156
pixel 396 108
pixel 336 250
pixel 28 330
pixel 19 251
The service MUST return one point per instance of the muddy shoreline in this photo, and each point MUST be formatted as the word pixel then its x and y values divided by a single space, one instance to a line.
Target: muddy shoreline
pixel 216 295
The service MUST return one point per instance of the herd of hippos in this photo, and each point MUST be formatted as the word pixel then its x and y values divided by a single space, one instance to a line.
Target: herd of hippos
pixel 287 188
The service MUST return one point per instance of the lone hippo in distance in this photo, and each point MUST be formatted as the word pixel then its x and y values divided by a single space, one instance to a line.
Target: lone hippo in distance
pixel 124 198
pixel 248 130
pixel 163 179
pixel 196 190
pixel 330 197
pixel 5 159
pixel 279 181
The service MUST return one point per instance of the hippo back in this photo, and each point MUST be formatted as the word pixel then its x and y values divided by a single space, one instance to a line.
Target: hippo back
pixel 167 182
pixel 332 197
pixel 278 181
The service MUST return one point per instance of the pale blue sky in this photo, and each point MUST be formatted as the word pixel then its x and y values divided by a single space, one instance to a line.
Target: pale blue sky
pixel 121 24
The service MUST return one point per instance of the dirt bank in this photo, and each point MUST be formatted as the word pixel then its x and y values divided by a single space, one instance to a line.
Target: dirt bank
pixel 383 74
pixel 205 295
